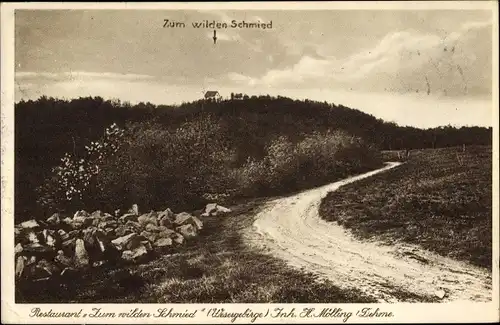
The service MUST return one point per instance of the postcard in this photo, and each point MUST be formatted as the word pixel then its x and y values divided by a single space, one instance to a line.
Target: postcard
pixel 250 162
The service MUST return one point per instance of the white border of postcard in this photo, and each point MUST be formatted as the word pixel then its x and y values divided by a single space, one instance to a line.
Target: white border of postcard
pixel 402 312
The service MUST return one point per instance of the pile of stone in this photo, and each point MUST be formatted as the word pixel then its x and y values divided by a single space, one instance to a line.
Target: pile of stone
pixel 62 245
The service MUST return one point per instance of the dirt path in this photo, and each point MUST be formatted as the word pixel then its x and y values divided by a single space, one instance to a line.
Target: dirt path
pixel 290 228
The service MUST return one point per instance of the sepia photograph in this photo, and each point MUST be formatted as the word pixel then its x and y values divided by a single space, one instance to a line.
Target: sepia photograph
pixel 229 156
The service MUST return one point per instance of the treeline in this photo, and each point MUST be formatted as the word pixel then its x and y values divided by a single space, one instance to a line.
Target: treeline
pixel 48 128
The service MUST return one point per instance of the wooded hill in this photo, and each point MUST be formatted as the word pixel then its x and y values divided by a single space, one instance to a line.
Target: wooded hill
pixel 48 128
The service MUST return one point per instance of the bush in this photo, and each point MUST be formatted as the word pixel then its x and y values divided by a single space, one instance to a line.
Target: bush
pixel 158 167
pixel 184 167
pixel 315 160
pixel 72 182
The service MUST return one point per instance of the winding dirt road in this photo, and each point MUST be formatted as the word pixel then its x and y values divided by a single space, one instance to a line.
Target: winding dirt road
pixel 290 228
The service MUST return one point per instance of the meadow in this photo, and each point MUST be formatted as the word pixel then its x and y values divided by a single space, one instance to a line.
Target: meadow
pixel 440 199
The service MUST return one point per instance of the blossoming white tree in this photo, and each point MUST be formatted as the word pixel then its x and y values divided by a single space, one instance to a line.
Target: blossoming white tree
pixel 72 178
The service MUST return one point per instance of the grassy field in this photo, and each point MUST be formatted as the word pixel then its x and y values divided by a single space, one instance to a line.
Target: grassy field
pixel 440 199
pixel 215 268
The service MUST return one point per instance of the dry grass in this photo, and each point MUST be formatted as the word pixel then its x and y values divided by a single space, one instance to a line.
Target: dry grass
pixel 440 199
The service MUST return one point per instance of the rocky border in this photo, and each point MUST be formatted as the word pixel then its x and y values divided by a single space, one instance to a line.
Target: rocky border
pixel 62 245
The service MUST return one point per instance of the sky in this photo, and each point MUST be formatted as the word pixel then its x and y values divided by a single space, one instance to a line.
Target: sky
pixel 421 68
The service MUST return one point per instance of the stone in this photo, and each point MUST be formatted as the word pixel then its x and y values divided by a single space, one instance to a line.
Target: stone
pixel 81 254
pixel 81 219
pixel 128 217
pixel 121 243
pixel 128 255
pixel 196 222
pixel 68 221
pixel 134 254
pixel 108 216
pixel 48 236
pixel 106 250
pixel 51 268
pixel 96 222
pixel 187 231
pixel 17 232
pixel 134 209
pixel 149 235
pixel 140 238
pixel 222 209
pixel 148 218
pixel 185 218
pixel 166 222
pixel 97 214
pixel 147 244
pixel 62 259
pixel 80 215
pixel 77 224
pixel 181 218
pixel 31 261
pixel 69 244
pixel 167 233
pixel 30 224
pixel 109 232
pixel 167 213
pixel 35 248
pixel 18 249
pixel 178 239
pixel 101 235
pixel 63 234
pixel 162 228
pixel 134 225
pixel 122 231
pixel 440 294
pixel 163 242
pixel 54 219
pixel 98 263
pixel 67 272
pixel 213 209
pixel 32 237
pixel 20 265
pixel 107 224
pixel 73 233
pixel 151 227
pixel 140 251
pixel 88 236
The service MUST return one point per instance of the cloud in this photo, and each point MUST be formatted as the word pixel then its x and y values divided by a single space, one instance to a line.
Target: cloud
pixel 241 79
pixel 219 14
pixel 401 61
pixel 230 36
pixel 72 75
pixel 467 26
pixel 132 88
pixel 223 36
